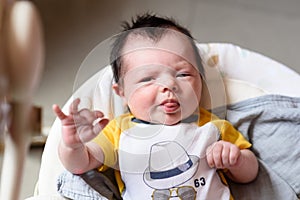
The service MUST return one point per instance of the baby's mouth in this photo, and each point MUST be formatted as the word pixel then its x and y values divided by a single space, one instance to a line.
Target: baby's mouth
pixel 170 105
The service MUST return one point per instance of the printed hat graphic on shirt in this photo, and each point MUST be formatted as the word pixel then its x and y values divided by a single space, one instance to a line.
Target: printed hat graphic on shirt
pixel 169 165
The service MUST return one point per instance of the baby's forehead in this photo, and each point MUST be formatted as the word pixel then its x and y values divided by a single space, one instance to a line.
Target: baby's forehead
pixel 172 42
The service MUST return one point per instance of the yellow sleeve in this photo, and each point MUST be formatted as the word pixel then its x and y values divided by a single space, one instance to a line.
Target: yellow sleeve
pixel 230 134
pixel 227 131
pixel 108 141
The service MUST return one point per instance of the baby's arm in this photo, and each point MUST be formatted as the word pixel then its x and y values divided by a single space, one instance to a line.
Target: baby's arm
pixel 242 164
pixel 75 151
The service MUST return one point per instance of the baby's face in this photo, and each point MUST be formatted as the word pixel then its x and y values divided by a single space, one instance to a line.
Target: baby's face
pixel 159 81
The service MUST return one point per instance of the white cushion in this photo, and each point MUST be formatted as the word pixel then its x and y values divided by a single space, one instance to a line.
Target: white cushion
pixel 260 71
pixel 236 89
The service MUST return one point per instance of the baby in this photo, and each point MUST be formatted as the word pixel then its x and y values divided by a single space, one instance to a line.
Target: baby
pixel 166 146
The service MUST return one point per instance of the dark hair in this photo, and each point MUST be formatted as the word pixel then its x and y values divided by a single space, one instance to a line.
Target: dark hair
pixel 150 26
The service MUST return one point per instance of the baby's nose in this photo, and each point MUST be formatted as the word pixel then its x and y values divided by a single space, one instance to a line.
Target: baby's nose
pixel 169 84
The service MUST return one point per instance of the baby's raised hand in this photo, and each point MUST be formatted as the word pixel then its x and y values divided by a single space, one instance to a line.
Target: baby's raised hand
pixel 223 155
pixel 79 126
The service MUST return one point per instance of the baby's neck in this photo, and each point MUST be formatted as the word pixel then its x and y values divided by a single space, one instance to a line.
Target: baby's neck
pixel 191 119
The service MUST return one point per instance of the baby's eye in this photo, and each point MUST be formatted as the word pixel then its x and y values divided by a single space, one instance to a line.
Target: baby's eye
pixel 146 79
pixel 182 75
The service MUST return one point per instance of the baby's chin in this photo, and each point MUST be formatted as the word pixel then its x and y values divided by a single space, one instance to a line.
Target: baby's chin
pixel 166 121
pixel 162 118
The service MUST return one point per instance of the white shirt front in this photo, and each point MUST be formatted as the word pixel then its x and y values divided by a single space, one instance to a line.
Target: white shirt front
pixel 159 160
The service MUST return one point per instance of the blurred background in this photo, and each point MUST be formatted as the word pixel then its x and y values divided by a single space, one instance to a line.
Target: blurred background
pixel 73 28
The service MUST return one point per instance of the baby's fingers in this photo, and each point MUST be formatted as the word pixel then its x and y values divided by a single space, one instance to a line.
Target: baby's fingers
pixel 235 153
pixel 90 116
pixel 100 125
pixel 59 113
pixel 74 106
pixel 222 155
pixel 214 155
pixel 86 136
pixel 217 155
pixel 88 133
pixel 209 157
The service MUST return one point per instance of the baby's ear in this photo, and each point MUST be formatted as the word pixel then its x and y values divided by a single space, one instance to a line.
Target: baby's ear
pixel 118 90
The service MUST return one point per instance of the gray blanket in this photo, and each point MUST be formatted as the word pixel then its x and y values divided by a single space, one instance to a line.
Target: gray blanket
pixel 272 124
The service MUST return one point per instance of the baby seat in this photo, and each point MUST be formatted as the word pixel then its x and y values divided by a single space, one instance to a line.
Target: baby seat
pixel 244 74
